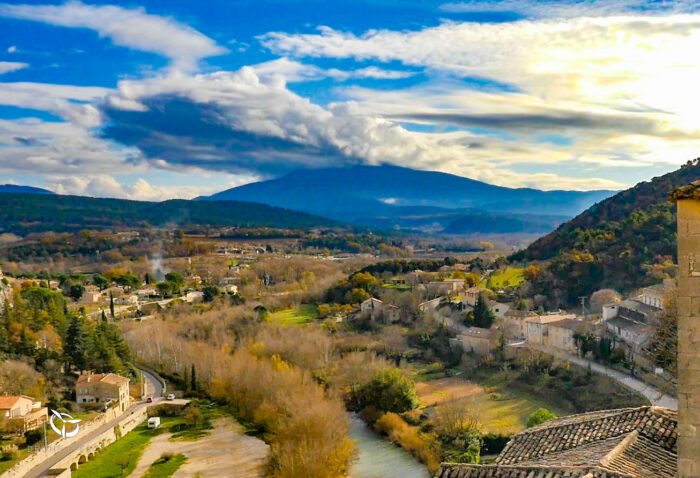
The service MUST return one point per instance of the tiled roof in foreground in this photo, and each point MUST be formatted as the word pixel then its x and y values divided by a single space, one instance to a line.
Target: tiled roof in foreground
pixel 448 470
pixel 689 191
pixel 635 442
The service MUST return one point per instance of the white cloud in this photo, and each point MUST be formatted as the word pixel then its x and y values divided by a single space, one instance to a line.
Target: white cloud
pixel 293 71
pixel 73 103
pixel 8 66
pixel 105 185
pixel 568 9
pixel 132 28
pixel 12 49
pixel 35 146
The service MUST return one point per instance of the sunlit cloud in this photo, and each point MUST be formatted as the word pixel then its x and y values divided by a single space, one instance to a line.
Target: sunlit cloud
pixel 9 66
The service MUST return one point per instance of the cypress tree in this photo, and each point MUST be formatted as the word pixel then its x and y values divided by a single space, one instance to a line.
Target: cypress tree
pixel 483 317
pixel 76 343
pixel 193 378
pixel 111 304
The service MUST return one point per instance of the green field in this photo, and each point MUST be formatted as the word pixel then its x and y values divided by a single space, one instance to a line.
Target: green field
pixel 295 315
pixel 511 277
pixel 119 458
pixel 165 467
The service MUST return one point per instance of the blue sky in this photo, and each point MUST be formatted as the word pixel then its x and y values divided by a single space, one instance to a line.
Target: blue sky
pixel 155 99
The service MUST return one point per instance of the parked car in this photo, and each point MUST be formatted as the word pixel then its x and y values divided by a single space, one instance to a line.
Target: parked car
pixel 171 396
pixel 149 400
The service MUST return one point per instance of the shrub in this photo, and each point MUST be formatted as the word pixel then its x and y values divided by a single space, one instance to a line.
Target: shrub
pixel 10 452
pixel 388 391
pixel 408 438
pixel 539 416
pixel 33 436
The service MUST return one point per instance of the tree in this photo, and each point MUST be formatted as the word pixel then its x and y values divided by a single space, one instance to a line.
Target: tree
pixel 76 291
pixel 388 391
pixel 539 416
pixel 193 417
pixel 209 292
pixel 111 305
pixel 76 343
pixel 603 297
pixel 483 316
pixel 193 379
pixel 165 289
pixel 175 278
pixel 100 281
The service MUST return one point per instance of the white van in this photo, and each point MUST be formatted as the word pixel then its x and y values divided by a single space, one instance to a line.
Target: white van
pixel 154 422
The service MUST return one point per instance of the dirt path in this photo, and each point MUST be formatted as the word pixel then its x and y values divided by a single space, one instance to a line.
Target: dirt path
pixel 226 451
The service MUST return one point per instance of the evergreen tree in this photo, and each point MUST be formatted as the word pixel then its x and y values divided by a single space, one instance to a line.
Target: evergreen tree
pixel 111 304
pixel 193 378
pixel 483 316
pixel 186 380
pixel 76 343
pixel 104 316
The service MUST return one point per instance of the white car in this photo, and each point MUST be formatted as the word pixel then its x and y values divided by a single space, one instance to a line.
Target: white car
pixel 171 396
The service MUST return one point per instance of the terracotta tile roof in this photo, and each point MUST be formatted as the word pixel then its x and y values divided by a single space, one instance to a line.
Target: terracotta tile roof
pixel 448 470
pixel 110 378
pixel 9 401
pixel 637 442
pixel 690 191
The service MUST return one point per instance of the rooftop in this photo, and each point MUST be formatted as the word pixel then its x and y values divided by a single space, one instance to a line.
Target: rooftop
pixel 690 191
pixel 9 401
pixel 109 378
pixel 629 442
pixel 478 332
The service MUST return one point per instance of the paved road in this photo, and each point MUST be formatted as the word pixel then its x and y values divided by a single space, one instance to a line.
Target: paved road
pixel 656 397
pixel 40 470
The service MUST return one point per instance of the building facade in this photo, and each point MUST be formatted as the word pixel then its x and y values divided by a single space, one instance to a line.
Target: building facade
pixel 102 388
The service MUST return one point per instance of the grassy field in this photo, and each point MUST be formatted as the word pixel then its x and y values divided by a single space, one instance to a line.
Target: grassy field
pixel 500 410
pixel 123 453
pixel 296 315
pixel 165 467
pixel 511 277
pixel 399 287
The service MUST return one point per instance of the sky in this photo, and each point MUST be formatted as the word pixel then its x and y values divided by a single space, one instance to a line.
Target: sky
pixel 153 100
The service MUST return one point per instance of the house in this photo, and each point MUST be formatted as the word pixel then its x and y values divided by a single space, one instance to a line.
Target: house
pixel 445 287
pixel 634 334
pixel 537 328
pixel 515 323
pixel 430 304
pixel 655 295
pixel 478 341
pixel 102 388
pixel 22 412
pixel 500 309
pixel 626 443
pixel 376 309
pixel 92 295
pixel 631 309
pixel 471 296
pixel 147 291
pixel 561 334
pixel 128 299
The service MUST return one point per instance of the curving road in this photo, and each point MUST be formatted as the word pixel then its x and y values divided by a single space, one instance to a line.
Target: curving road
pixel 152 384
pixel 656 396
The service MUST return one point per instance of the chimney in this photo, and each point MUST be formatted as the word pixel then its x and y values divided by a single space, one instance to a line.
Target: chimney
pixel 687 199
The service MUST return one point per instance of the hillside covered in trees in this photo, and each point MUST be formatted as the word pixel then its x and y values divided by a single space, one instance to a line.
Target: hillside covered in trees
pixel 623 242
pixel 26 213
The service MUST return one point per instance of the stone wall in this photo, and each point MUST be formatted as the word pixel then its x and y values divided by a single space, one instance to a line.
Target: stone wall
pixel 689 337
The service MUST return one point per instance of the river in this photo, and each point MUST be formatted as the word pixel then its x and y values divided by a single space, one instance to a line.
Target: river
pixel 379 458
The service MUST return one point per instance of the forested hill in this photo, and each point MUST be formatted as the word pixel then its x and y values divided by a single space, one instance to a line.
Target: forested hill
pixel 624 241
pixel 25 213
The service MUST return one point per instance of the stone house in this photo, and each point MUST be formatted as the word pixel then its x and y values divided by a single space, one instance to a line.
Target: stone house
pixel 537 330
pixel 377 309
pixel 561 334
pixel 634 334
pixel 471 296
pixel 101 388
pixel 500 309
pixel 478 341
pixel 23 411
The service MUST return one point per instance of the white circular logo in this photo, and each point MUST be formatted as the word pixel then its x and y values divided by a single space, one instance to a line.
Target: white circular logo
pixel 64 418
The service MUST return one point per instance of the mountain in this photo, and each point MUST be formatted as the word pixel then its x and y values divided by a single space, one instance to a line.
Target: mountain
pixel 25 213
pixel 392 195
pixel 386 186
pixel 15 189
pixel 623 242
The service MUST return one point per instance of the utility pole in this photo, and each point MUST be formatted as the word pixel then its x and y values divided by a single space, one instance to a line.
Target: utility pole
pixel 583 306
